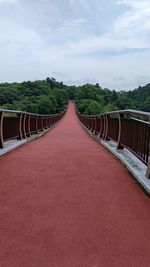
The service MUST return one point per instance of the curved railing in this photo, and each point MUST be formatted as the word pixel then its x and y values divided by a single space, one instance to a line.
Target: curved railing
pixel 128 128
pixel 20 125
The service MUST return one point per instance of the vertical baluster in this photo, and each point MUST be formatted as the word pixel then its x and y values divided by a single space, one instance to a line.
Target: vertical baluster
pixel 1 129
pixel 120 117
pixel 107 116
pixel 20 126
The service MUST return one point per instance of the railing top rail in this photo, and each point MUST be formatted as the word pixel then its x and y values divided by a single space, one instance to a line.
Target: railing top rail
pixel 136 112
pixel 126 111
pixel 28 113
pixel 12 111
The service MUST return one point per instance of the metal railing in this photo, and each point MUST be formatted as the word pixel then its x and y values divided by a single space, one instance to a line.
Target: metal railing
pixel 21 125
pixel 128 128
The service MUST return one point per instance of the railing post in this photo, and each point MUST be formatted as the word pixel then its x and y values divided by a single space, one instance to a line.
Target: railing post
pixel 148 169
pixel 101 126
pixel 39 124
pixel 92 124
pixel 120 116
pixel 27 125
pixel 97 128
pixel 94 130
pixel 42 123
pixel 46 122
pixel 96 119
pixel 20 126
pixel 49 122
pixel 106 128
pixel 24 125
pixel 148 166
pixel 54 120
pixel 1 129
pixel 36 124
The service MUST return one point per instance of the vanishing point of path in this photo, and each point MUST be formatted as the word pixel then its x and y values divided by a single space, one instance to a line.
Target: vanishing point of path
pixel 65 201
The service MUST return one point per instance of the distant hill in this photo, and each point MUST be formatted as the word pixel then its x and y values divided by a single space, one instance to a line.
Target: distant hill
pixel 50 96
pixel 141 97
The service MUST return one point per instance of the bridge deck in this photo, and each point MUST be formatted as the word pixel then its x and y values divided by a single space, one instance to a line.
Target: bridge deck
pixel 66 201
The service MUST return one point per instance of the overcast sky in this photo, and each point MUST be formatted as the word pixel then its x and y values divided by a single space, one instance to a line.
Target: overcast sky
pixel 76 41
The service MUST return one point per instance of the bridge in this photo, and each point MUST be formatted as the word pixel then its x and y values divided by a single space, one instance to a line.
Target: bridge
pixel 65 200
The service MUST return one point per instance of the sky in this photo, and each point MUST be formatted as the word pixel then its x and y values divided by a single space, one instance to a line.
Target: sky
pixel 76 41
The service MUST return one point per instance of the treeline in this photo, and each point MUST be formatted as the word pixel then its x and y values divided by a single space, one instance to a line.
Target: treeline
pixel 50 96
pixel 92 99
pixel 40 97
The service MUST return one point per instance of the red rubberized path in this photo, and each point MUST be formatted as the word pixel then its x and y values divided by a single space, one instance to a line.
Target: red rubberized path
pixel 67 202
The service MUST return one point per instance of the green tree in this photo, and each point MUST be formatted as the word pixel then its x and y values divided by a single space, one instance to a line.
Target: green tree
pixel 109 107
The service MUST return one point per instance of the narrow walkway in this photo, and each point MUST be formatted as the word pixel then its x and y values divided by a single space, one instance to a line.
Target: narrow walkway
pixel 67 202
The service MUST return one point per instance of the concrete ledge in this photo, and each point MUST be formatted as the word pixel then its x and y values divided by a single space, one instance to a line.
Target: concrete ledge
pixel 131 162
pixel 11 145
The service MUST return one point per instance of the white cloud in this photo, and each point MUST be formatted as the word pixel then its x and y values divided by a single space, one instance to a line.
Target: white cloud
pixel 134 3
pixel 131 30
pixel 71 24
pixel 15 34
pixel 96 44
pixel 135 19
pixel 9 2
pixel 40 39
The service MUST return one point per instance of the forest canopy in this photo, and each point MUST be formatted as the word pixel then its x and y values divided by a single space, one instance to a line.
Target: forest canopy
pixel 50 96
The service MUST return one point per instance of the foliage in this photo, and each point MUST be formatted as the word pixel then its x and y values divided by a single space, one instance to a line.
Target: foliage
pixel 111 100
pixel 110 107
pixel 89 106
pixel 43 97
pixel 50 96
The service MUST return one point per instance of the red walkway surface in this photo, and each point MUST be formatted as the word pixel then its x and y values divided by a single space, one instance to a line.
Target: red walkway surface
pixel 66 201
